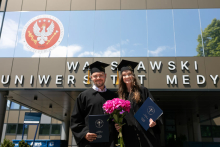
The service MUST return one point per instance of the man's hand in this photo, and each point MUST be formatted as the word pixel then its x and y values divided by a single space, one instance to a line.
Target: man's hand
pixel 90 136
pixel 152 123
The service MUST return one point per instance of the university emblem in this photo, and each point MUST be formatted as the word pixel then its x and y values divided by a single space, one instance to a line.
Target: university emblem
pixel 42 33
pixel 150 110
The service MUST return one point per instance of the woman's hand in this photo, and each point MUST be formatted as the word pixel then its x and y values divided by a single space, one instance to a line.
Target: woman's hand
pixel 152 123
pixel 117 127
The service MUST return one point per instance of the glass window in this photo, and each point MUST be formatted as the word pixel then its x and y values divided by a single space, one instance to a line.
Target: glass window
pixel 107 34
pixel 210 21
pixel 133 33
pixel 20 129
pixel 55 129
pixel 216 131
pixel 206 131
pixel 1 16
pixel 160 33
pixel 11 128
pixel 9 34
pixel 187 31
pixel 44 129
pixel 8 104
pixel 170 128
pixel 61 49
pixel 24 108
pixel 81 34
pixel 14 106
pixel 21 50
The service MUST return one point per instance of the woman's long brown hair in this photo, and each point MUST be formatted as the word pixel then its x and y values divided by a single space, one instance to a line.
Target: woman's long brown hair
pixel 135 89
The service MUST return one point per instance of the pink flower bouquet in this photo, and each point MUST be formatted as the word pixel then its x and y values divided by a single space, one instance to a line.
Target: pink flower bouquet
pixel 116 108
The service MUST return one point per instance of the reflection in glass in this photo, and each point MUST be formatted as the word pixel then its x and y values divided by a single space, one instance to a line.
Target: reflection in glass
pixel 55 129
pixel 206 131
pixel 160 33
pixel 8 104
pixel 210 21
pixel 20 129
pixel 187 29
pixel 44 129
pixel 81 34
pixel 1 16
pixel 107 34
pixel 61 49
pixel 9 34
pixel 133 33
pixel 24 108
pixel 11 128
pixel 14 105
pixel 21 50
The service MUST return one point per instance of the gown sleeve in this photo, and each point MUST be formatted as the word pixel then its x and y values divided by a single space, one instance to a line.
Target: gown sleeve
pixel 78 126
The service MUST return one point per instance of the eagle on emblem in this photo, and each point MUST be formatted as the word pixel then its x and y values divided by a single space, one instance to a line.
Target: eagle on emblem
pixel 42 36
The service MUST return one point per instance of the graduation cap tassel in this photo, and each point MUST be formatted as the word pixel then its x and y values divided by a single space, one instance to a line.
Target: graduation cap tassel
pixel 117 82
pixel 88 81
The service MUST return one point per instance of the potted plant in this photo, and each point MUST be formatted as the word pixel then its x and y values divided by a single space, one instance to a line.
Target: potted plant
pixel 7 143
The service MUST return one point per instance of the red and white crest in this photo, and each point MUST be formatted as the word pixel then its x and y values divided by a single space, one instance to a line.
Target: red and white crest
pixel 42 33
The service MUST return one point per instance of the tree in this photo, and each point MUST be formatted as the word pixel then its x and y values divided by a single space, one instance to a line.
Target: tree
pixel 211 40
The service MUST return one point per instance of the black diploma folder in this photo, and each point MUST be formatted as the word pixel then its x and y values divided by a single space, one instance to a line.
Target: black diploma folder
pixel 99 125
pixel 148 110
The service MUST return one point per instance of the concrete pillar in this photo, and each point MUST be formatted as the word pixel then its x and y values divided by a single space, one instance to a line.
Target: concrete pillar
pixel 65 130
pixel 3 104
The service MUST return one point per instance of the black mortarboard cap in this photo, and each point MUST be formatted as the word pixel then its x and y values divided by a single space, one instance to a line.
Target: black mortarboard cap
pixel 127 65
pixel 97 67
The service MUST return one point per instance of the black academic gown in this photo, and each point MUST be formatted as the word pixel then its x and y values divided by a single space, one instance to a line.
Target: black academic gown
pixel 134 134
pixel 90 102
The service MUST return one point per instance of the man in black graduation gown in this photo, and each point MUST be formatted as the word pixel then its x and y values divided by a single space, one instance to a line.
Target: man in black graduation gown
pixel 90 102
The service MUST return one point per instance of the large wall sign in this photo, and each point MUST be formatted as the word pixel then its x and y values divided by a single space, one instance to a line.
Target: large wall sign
pixel 70 73
pixel 42 33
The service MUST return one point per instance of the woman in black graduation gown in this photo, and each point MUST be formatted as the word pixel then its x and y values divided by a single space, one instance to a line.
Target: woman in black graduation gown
pixel 134 134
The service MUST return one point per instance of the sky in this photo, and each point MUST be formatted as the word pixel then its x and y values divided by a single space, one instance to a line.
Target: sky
pixel 114 33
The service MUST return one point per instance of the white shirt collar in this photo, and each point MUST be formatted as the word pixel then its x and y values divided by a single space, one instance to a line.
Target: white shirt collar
pixel 98 89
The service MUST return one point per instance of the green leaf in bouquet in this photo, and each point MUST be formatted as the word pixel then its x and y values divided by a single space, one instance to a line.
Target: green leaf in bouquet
pixel 115 116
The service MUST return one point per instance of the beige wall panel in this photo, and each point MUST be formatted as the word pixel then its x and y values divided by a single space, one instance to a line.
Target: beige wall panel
pixel 2 5
pixel 78 73
pixel 191 72
pixel 21 116
pixel 141 71
pixel 6 117
pixel 25 67
pixel 209 3
pixel 108 4
pixel 10 137
pixel 211 64
pixel 58 5
pixel 109 80
pixel 5 70
pixel 52 67
pixel 133 4
pixel 34 5
pixel 70 137
pixel 55 137
pixel 216 121
pixel 159 4
pixel 14 5
pixel 44 137
pixel 13 116
pixel 31 131
pixel 83 5
pixel 55 121
pixel 157 79
pixel 185 4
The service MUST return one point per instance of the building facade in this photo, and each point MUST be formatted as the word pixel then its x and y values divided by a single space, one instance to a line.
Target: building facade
pixel 46 44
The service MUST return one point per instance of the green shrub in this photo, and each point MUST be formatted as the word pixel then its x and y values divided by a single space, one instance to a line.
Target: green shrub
pixel 7 143
pixel 23 144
